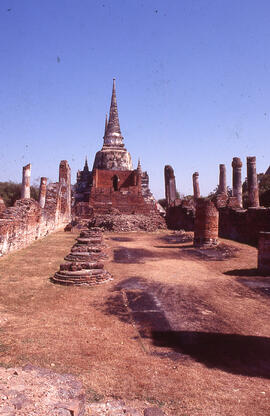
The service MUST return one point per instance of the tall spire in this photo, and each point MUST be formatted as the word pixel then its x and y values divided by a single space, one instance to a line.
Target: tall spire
pixel 113 136
pixel 139 167
pixel 86 168
pixel 106 124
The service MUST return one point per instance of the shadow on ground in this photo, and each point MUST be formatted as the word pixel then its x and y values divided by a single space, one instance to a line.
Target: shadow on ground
pixel 234 353
pixel 129 255
pixel 218 253
pixel 136 301
pixel 121 239
pixel 177 238
pixel 139 255
pixel 242 272
pixel 252 279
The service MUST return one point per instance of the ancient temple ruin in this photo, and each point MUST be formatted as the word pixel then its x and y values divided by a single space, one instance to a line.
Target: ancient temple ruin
pixel 113 183
pixel 29 220
pixel 221 215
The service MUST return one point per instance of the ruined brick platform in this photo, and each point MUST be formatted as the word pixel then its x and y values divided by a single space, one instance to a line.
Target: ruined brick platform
pixel 81 273
pixel 84 263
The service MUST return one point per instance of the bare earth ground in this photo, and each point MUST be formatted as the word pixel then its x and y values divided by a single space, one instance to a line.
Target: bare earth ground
pixel 175 328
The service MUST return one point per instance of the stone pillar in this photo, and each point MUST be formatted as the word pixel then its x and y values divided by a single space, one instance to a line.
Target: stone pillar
pixel 206 223
pixel 64 172
pixel 170 187
pixel 264 253
pixel 65 188
pixel 237 180
pixel 222 188
pixel 253 191
pixel 196 187
pixel 25 191
pixel 42 192
pixel 2 205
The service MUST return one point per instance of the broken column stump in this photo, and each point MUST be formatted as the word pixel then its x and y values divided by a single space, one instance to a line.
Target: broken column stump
pixel 42 191
pixel 25 191
pixel 264 253
pixel 206 224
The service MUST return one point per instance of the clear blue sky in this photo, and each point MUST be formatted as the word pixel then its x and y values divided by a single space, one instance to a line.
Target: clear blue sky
pixel 193 84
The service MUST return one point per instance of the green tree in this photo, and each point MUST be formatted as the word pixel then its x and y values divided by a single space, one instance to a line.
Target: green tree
pixel 11 191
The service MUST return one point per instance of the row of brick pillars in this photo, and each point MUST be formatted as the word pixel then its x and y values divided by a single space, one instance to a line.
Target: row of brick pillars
pixel 253 190
pixel 25 191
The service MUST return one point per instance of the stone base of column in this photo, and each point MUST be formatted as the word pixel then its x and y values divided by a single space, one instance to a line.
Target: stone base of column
pixel 205 242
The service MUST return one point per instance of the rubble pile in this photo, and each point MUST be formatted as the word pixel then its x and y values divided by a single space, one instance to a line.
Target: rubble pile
pixel 84 264
pixel 125 222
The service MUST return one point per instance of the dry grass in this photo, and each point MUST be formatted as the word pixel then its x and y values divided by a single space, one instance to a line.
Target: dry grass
pixel 102 335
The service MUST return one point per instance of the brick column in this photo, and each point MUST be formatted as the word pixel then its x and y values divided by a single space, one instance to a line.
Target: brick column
pixel 42 192
pixel 237 180
pixel 65 186
pixel 264 253
pixel 170 187
pixel 222 188
pixel 25 191
pixel 206 223
pixel 253 191
pixel 196 187
pixel 2 205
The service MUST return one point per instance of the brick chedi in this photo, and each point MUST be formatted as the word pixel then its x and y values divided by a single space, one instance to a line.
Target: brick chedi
pixel 113 155
pixel 113 183
pixel 84 264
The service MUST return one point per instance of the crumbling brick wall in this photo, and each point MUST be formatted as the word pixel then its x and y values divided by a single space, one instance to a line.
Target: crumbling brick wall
pixel 26 221
pixel 180 215
pixel 243 225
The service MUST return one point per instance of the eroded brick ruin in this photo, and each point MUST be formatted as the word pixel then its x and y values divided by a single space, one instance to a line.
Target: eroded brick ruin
pixel 206 223
pixel 222 215
pixel 116 197
pixel 85 263
pixel 113 187
pixel 29 220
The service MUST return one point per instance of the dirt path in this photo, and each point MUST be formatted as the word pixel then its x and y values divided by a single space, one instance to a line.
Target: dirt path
pixel 175 328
